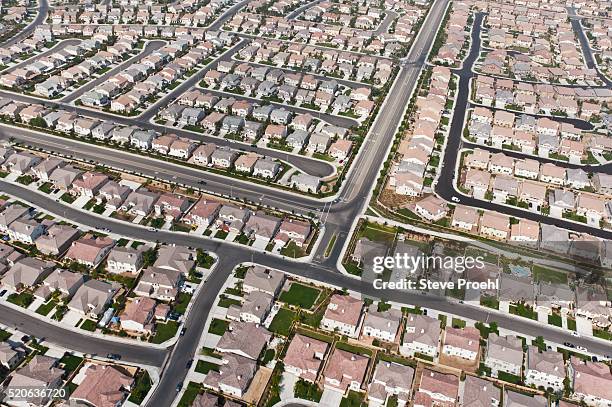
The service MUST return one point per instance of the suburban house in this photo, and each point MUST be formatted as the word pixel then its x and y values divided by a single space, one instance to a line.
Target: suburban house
pixel 343 314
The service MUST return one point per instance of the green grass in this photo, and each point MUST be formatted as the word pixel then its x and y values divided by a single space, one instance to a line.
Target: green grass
pixel 226 302
pixel 166 331
pixel 46 308
pixel 307 391
pixel 47 188
pixel 4 335
pixel 358 350
pixel 141 387
pixel 352 268
pixel 353 399
pixel 70 362
pixel 523 311
pixel 555 319
pixel 23 299
pixel 508 377
pixel 211 352
pixel 330 245
pixel 489 302
pixel 571 324
pixel 546 274
pixel 268 356
pixel 378 233
pixel 221 235
pixel 205 367
pixel 458 323
pixel 598 333
pixel 292 250
pixel 218 326
pixel 180 306
pixel 89 325
pixel 300 295
pixel 191 392
pixel 67 198
pixel 281 324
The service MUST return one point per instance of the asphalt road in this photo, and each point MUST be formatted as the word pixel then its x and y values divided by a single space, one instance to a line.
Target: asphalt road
pixel 56 48
pixel 587 52
pixel 342 213
pixel 149 48
pixel 307 165
pixel 445 186
pixel 166 171
pixel 43 7
pixel 134 353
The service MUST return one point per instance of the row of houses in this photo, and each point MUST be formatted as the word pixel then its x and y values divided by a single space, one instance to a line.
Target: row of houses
pixel 546 194
pixel 253 122
pixel 86 296
pixel 457 32
pixel 583 103
pixel 588 301
pixel 533 136
pixel 563 44
pixel 128 89
pixel 537 66
pixel 417 145
pixel 50 372
pixel 343 64
pixel 424 335
pixel 190 15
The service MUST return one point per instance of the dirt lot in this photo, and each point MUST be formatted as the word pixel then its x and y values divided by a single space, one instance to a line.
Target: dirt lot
pixel 258 385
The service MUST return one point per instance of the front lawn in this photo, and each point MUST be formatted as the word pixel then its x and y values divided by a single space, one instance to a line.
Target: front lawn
pixel 218 326
pixel 180 306
pixel 546 274
pixel 205 367
pixel 300 295
pixel 23 299
pixel 70 362
pixel 46 308
pixel 89 325
pixel 307 391
pixel 353 399
pixel 141 387
pixel 166 331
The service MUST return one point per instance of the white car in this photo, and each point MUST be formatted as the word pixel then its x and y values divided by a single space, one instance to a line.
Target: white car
pixel 576 334
pixel 455 199
pixel 581 348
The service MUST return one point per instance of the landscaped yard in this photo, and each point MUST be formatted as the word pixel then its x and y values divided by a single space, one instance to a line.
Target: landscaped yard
pixel 191 392
pixel 141 387
pixel 205 367
pixel 545 274
pixel 300 295
pixel 353 399
pixel 89 325
pixel 226 302
pixel 4 335
pixel 70 362
pixel 180 306
pixel 307 391
pixel 218 326
pixel 23 299
pixel 46 308
pixel 524 311
pixel 166 331
pixel 378 232
pixel 281 324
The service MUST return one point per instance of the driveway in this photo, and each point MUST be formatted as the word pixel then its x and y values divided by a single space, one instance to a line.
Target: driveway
pixel 260 244
pixel 331 398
